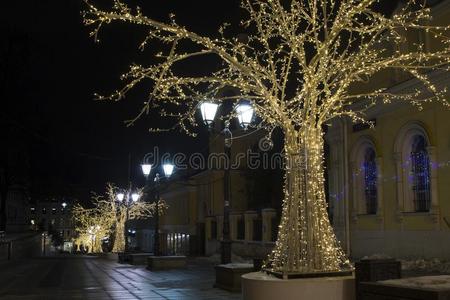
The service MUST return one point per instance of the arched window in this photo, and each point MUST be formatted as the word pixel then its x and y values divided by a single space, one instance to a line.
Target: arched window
pixel 365 174
pixel 420 174
pixel 370 181
pixel 413 154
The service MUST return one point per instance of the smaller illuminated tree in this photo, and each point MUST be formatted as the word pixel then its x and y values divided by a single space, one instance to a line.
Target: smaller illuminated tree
pixel 91 227
pixel 107 217
pixel 124 210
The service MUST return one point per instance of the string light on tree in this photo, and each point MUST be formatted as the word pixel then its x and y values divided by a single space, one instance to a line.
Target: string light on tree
pixel 108 216
pixel 298 67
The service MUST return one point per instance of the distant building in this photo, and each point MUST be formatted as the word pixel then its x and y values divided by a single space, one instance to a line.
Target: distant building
pixel 53 216
pixel 14 181
pixel 15 152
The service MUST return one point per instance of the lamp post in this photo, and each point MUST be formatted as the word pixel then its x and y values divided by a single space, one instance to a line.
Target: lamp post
pixel 127 199
pixel 146 170
pixel 245 114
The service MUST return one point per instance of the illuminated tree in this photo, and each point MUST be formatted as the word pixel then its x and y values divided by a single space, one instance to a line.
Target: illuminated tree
pixel 107 217
pixel 121 211
pixel 91 227
pixel 298 65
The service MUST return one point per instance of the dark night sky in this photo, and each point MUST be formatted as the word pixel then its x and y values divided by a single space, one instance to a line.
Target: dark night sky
pixel 73 139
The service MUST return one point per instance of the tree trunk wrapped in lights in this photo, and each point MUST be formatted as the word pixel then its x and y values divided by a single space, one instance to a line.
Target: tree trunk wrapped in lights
pixel 306 242
pixel 119 237
pixel 298 66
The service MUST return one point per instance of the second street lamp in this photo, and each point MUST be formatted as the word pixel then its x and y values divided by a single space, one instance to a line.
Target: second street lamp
pixel 245 113
pixel 127 199
pixel 146 170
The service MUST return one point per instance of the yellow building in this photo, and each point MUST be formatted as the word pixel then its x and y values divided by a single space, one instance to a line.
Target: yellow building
pixel 390 185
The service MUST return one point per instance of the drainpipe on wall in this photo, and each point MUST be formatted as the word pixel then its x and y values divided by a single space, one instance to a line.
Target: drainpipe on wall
pixel 346 187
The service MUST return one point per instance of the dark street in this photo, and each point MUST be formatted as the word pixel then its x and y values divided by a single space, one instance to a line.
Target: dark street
pixel 84 277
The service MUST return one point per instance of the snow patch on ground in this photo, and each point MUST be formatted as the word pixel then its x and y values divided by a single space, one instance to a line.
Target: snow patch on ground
pixel 376 256
pixel 238 266
pixel 433 265
pixel 439 283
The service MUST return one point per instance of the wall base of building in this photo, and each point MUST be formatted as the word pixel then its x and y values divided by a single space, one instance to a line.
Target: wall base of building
pixel 401 244
pixel 248 250
pixel 427 287
pixel 165 262
pixel 25 245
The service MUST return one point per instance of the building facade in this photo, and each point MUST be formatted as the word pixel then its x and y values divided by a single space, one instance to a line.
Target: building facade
pixel 389 185
pixel 54 217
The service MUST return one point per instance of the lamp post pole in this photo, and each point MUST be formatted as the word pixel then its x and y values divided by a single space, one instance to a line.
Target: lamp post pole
pixel 168 170
pixel 156 245
pixel 127 199
pixel 125 227
pixel 226 240
pixel 245 115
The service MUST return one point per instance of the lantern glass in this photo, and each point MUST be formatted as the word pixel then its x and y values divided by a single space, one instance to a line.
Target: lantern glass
pixel 168 169
pixel 120 196
pixel 208 110
pixel 135 197
pixel 146 169
pixel 245 114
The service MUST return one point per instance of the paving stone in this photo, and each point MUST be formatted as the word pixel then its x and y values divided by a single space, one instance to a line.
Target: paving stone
pixel 78 277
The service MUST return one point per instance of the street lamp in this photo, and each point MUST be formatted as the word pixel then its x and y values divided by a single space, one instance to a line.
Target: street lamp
pixel 208 111
pixel 120 196
pixel 245 116
pixel 127 199
pixel 135 197
pixel 168 170
pixel 146 169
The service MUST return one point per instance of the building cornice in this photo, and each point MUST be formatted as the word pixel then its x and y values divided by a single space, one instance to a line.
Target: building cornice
pixel 440 78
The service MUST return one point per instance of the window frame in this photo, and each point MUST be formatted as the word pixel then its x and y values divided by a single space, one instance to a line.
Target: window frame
pixel 357 160
pixel 402 154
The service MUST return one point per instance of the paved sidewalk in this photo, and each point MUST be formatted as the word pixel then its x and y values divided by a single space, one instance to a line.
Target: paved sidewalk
pixel 78 277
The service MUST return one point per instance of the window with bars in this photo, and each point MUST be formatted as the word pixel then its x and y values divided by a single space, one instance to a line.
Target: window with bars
pixel 275 223
pixel 213 230
pixel 370 181
pixel 257 229
pixel 241 229
pixel 420 174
